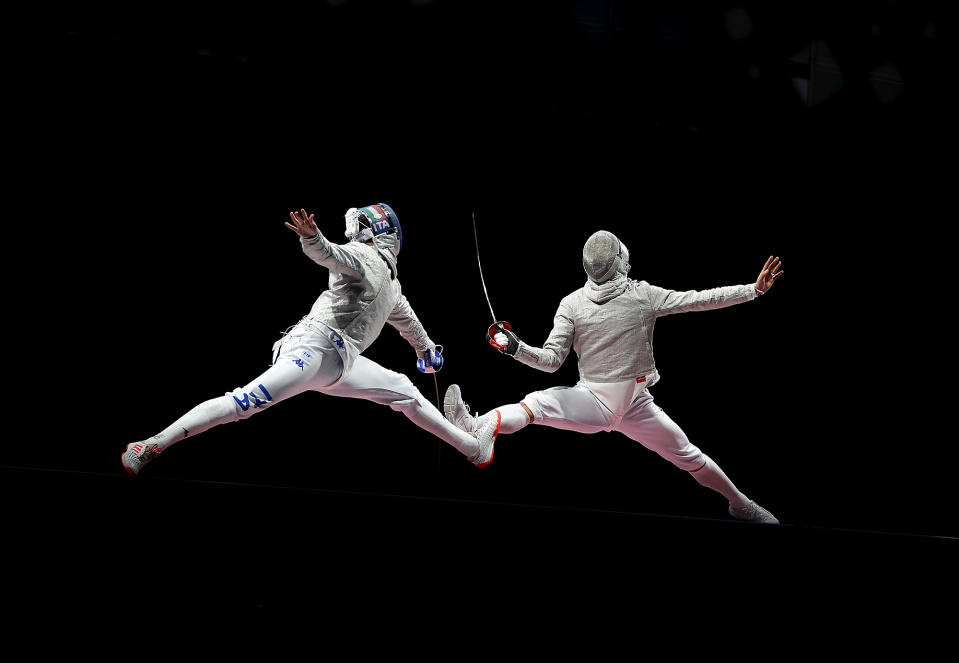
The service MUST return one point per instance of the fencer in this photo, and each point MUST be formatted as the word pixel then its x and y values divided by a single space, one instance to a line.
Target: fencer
pixel 609 323
pixel 323 352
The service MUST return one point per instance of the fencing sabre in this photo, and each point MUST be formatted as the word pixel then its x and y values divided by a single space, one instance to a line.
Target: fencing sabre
pixel 497 324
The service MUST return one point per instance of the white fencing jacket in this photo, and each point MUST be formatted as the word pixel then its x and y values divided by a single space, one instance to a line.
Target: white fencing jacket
pixel 610 327
pixel 364 294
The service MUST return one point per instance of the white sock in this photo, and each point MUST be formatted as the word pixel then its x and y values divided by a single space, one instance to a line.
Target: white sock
pixel 712 476
pixel 203 417
pixel 512 418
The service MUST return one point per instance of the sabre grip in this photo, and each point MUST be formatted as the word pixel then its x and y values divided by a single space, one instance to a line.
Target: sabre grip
pixel 500 335
pixel 430 361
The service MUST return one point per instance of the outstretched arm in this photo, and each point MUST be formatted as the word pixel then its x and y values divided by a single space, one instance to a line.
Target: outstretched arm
pixel 668 302
pixel 321 250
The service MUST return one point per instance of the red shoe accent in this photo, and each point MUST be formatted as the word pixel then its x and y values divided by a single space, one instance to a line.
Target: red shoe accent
pixel 499 420
pixel 135 447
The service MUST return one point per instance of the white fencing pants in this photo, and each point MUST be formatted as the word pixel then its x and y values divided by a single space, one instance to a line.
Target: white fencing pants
pixel 577 408
pixel 304 361
pixel 370 381
pixel 307 361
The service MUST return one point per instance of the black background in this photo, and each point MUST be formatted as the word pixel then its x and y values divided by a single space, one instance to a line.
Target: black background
pixel 165 148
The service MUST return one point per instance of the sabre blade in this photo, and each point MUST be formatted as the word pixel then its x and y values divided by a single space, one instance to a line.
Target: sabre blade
pixel 478 262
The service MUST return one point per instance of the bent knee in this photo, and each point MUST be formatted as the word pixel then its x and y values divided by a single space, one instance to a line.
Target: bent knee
pixel 534 409
pixel 529 413
pixel 402 394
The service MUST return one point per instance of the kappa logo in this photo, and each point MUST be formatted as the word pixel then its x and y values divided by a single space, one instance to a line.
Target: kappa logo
pixel 252 400
pixel 298 362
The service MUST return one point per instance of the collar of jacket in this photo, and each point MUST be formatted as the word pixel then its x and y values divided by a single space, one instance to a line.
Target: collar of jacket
pixel 600 293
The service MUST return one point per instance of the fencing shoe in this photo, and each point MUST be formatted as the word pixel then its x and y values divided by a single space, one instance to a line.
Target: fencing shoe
pixel 486 436
pixel 753 513
pixel 137 455
pixel 457 412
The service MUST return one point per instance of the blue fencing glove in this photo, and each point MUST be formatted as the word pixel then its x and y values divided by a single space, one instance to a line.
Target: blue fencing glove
pixel 430 361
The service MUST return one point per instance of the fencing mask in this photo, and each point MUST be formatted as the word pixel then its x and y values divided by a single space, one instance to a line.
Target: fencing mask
pixel 604 256
pixel 375 222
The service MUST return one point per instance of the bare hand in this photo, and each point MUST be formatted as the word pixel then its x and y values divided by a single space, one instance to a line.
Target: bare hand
pixel 303 224
pixel 771 271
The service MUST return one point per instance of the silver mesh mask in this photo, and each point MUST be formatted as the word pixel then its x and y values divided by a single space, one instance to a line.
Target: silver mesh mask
pixel 604 256
pixel 357 226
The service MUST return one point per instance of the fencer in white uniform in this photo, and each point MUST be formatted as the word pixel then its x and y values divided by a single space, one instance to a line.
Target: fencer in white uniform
pixel 609 324
pixel 323 351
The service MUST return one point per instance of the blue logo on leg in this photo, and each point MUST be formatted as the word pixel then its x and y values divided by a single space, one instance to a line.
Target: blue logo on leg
pixel 252 399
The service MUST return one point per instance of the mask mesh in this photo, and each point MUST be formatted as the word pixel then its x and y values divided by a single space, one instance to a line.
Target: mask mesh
pixel 600 254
